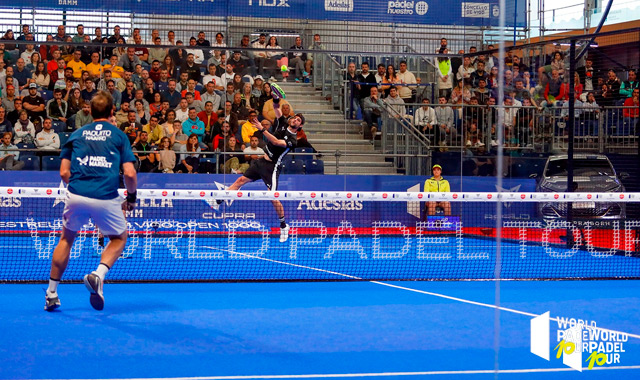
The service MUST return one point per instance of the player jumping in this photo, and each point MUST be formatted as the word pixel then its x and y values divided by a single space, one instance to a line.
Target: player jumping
pixel 281 139
pixel 91 160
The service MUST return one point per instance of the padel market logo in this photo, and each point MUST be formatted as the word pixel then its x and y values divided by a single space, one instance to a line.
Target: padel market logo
pixel 577 342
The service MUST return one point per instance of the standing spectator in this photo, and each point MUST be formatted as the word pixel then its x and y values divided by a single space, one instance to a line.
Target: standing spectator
pixel 406 79
pixel 588 74
pixel 202 41
pixel 316 45
pixel 47 139
pixel 627 87
pixel 9 154
pixel 631 114
pixel 248 55
pixel 553 90
pixel 445 75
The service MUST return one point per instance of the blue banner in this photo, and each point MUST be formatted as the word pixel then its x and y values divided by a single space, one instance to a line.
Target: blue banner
pixel 453 12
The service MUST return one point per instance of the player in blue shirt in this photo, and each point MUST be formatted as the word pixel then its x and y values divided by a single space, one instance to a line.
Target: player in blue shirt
pixel 91 161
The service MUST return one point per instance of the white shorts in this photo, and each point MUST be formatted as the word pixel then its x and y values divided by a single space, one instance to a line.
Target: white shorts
pixel 107 214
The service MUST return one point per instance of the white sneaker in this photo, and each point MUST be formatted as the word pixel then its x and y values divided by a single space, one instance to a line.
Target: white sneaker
pixel 284 234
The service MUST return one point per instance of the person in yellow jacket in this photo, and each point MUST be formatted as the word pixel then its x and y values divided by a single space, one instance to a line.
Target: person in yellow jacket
pixel 437 184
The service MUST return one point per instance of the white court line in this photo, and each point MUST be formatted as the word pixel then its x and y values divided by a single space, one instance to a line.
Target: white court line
pixel 380 374
pixel 414 290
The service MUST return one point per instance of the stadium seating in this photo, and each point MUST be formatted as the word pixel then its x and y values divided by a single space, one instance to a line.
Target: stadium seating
pixel 308 157
pixel 30 163
pixel 315 167
pixel 64 136
pixel 51 163
pixel 294 167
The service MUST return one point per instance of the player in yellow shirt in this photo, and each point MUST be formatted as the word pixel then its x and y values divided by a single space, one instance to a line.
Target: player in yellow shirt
pixel 437 184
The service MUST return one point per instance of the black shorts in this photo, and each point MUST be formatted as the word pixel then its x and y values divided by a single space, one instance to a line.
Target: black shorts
pixel 265 170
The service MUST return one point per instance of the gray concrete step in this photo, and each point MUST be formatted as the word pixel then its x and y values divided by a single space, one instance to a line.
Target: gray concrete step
pixel 328 169
pixel 359 148
pixel 313 136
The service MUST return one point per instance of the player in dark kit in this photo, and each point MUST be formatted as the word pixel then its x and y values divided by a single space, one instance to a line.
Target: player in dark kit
pixel 91 161
pixel 281 139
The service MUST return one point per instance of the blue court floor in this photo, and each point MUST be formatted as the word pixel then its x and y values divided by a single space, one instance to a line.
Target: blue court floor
pixel 307 330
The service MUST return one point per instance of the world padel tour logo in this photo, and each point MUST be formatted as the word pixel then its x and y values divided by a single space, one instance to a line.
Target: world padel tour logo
pixel 577 338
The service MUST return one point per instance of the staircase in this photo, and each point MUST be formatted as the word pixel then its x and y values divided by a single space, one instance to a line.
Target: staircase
pixel 328 131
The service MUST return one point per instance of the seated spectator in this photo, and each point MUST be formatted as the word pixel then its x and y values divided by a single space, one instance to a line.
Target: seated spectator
pixel 139 95
pixel 240 65
pixel 465 71
pixel 248 55
pixel 155 133
pixel 191 88
pixel 479 73
pixel 145 154
pixel 169 65
pixel 297 60
pixel 248 99
pixel 129 60
pixel 142 115
pixel 9 154
pixel 115 94
pixel 155 105
pixel 14 115
pixel 194 126
pixel 211 96
pixel 247 130
pixel 34 104
pixel 189 157
pixel 191 68
pixel 132 128
pixel 154 71
pixel 233 157
pixel 395 102
pixel 57 108
pixel 213 78
pixel 239 108
pixel 21 73
pixel 631 114
pixel 172 95
pixel 613 86
pixel 165 156
pixel 89 91
pixel 77 65
pixel 157 53
pixel 275 57
pixel 24 130
pixel 192 103
pixel 41 76
pixel 198 54
pixel 180 138
pixel 267 108
pixel 231 117
pixel 260 56
pixel 84 116
pixel 5 125
pixel 460 94
pixel 116 70
pixel 425 118
pixel 210 119
pixel 122 115
pixel 95 68
pixel 553 90
pixel 47 139
pixel 217 141
pixel 149 91
pixel 444 116
pixel 253 151
pixel 372 113
pixel 482 93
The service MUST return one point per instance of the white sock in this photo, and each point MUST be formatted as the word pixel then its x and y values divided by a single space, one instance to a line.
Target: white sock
pixel 53 286
pixel 102 271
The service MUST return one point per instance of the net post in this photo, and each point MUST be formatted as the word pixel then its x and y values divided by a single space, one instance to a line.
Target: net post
pixel 571 126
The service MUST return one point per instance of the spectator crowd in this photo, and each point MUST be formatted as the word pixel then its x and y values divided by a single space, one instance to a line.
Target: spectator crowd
pixel 174 101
